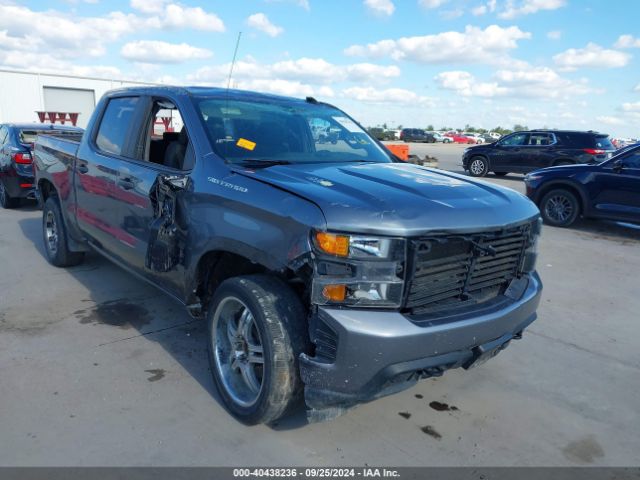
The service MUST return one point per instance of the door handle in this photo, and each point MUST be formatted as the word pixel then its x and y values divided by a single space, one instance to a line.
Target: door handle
pixel 82 168
pixel 126 183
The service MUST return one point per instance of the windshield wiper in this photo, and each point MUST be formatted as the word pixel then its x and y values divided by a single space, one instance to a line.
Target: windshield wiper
pixel 261 162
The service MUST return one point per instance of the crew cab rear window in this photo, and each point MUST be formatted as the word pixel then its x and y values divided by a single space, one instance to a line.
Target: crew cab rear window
pixel 115 125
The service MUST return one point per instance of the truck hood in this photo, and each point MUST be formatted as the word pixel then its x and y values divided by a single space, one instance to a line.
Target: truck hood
pixel 398 199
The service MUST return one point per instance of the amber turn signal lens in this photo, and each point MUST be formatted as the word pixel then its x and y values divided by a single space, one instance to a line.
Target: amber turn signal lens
pixel 333 244
pixel 335 293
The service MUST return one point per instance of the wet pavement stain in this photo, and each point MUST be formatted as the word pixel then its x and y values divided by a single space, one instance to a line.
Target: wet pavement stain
pixel 156 374
pixel 432 432
pixel 117 313
pixel 418 395
pixel 585 450
pixel 406 415
pixel 443 407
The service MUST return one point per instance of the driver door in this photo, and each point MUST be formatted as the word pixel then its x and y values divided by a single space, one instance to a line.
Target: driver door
pixel 507 154
pixel 616 188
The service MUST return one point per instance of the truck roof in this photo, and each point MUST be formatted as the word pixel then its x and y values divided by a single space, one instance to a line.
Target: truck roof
pixel 199 91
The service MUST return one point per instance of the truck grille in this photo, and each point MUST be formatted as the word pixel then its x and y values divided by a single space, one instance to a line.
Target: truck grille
pixel 454 271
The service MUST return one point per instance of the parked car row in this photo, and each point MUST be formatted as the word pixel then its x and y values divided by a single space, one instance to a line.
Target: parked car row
pixel 425 136
pixel 569 173
pixel 16 159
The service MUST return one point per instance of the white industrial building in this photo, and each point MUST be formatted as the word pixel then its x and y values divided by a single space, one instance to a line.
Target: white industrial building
pixel 23 94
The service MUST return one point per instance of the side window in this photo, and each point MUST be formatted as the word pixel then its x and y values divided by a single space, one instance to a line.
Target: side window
pixel 632 160
pixel 540 139
pixel 3 135
pixel 167 141
pixel 515 140
pixel 115 126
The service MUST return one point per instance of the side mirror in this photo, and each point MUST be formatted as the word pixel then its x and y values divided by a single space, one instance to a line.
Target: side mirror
pixel 618 166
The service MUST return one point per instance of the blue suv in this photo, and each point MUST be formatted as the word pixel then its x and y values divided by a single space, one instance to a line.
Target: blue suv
pixel 609 190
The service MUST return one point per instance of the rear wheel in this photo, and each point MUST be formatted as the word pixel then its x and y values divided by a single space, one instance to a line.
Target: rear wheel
pixel 5 199
pixel 478 166
pixel 55 236
pixel 559 208
pixel 256 334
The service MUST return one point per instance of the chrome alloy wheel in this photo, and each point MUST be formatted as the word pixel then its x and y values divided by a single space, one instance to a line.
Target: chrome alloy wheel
pixel 51 232
pixel 477 167
pixel 238 353
pixel 559 208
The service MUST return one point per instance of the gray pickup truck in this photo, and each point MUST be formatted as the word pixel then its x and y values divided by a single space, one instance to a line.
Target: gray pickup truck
pixel 329 271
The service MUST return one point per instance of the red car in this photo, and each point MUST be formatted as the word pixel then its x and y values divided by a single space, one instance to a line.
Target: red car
pixel 456 138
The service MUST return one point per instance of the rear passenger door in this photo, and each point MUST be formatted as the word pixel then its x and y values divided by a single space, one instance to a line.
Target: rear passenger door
pixel 164 150
pixel 96 173
pixel 539 151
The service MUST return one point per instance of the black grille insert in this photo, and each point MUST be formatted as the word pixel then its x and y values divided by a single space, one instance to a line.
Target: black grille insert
pixel 455 271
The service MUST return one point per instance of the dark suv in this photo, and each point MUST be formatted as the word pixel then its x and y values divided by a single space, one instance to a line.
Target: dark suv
pixel 523 152
pixel 416 135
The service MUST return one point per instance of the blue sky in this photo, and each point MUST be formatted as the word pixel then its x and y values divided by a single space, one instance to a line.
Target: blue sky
pixel 542 63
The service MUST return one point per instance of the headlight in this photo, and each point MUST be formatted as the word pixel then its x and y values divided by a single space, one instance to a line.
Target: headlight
pixel 531 252
pixel 358 270
pixel 530 178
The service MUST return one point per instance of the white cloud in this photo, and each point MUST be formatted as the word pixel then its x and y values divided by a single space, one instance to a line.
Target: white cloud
pixel 631 107
pixel 152 51
pixel 380 7
pixel 309 70
pixel 63 36
pixel 526 82
pixel 554 35
pixel 149 6
pixel 261 22
pixel 463 83
pixel 479 10
pixel 177 16
pixel 526 7
pixel 389 95
pixel 637 88
pixel 489 7
pixel 474 45
pixel 608 120
pixel 592 56
pixel 627 41
pixel 432 3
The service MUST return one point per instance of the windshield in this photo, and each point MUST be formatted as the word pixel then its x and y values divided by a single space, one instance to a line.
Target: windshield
pixel 242 131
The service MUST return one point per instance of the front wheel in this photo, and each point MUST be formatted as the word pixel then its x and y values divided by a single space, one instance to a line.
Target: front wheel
pixel 559 208
pixel 256 334
pixel 55 236
pixel 478 167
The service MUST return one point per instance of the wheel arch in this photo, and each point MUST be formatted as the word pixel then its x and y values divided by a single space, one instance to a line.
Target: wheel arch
pixel 217 265
pixel 567 185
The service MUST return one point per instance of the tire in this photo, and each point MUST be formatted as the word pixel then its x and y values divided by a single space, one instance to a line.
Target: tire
pixel 5 200
pixel 55 236
pixel 559 208
pixel 500 174
pixel 257 317
pixel 478 166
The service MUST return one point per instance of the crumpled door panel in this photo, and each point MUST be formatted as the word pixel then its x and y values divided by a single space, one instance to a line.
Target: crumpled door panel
pixel 166 239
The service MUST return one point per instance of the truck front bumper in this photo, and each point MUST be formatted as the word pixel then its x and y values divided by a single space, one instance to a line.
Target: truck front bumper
pixel 382 352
